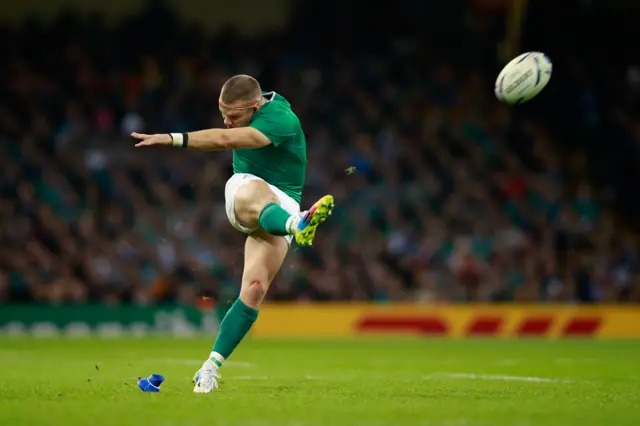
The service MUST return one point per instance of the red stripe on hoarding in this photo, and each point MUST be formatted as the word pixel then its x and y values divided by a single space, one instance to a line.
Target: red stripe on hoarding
pixel 535 326
pixel 582 326
pixel 485 326
pixel 422 325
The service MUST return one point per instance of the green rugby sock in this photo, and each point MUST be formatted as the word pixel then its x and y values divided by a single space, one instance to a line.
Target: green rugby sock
pixel 275 220
pixel 235 325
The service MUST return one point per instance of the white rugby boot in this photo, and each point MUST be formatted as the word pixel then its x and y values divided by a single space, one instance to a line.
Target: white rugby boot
pixel 206 379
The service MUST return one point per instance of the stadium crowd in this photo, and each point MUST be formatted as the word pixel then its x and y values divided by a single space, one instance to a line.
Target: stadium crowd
pixel 442 193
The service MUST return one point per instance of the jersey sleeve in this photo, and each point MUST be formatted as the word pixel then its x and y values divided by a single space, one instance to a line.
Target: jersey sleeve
pixel 276 129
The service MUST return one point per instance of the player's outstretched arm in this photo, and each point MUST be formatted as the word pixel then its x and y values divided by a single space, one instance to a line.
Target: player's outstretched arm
pixel 207 140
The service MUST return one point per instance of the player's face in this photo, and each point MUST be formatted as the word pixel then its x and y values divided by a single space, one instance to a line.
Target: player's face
pixel 236 117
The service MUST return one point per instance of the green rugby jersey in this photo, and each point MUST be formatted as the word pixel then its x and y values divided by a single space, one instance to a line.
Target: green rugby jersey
pixel 282 164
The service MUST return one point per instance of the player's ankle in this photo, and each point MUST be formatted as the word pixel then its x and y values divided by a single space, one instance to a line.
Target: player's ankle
pixel 292 224
pixel 216 359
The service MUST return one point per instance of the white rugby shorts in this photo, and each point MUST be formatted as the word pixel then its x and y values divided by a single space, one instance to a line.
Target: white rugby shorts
pixel 235 182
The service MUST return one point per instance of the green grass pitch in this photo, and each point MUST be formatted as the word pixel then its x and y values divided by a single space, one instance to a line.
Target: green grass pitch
pixel 371 381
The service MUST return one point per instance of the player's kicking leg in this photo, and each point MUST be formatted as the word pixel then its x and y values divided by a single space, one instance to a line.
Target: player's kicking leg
pixel 257 207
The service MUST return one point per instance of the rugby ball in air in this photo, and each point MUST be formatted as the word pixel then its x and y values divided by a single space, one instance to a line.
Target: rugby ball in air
pixel 523 78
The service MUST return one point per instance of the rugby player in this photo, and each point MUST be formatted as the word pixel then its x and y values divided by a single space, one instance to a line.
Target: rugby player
pixel 262 198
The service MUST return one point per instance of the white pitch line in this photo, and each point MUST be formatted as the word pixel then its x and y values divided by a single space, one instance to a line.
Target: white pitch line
pixel 248 378
pixel 508 362
pixel 471 376
pixel 238 364
pixel 195 362
pixel 502 377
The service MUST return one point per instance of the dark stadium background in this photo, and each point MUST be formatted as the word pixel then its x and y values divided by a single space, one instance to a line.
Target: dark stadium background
pixel 456 197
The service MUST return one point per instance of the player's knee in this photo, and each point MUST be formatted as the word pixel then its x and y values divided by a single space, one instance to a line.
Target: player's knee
pixel 250 200
pixel 253 292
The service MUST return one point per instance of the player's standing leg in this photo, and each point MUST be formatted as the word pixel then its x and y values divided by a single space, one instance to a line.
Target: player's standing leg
pixel 264 254
pixel 256 206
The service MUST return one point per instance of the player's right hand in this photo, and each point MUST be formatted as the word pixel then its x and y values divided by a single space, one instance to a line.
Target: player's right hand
pixel 149 140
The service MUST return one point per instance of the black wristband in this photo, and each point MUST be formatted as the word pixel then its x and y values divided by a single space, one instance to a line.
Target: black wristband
pixel 185 140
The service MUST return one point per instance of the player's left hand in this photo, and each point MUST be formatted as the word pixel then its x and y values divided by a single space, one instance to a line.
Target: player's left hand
pixel 148 140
